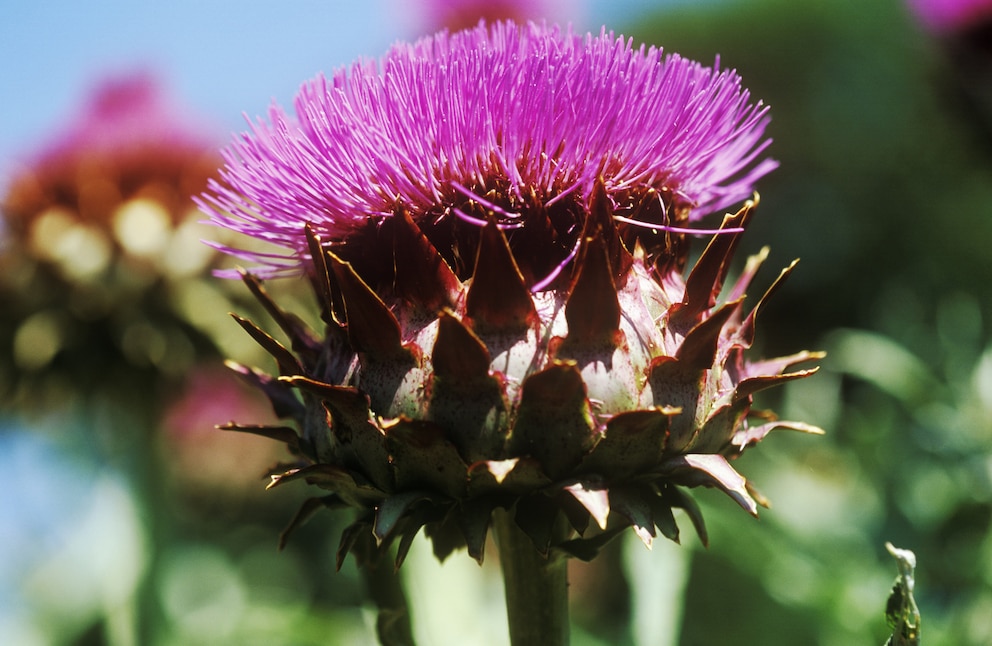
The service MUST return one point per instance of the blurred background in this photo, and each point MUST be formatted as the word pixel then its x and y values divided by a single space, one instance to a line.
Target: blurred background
pixel 127 519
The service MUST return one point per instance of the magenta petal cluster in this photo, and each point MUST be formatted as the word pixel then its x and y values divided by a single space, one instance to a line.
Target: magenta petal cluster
pixel 535 111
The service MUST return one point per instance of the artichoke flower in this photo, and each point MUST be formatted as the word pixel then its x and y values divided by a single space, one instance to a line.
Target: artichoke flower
pixel 497 226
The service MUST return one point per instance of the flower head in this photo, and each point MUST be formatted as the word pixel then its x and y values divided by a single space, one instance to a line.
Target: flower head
pixel 510 119
pixel 496 224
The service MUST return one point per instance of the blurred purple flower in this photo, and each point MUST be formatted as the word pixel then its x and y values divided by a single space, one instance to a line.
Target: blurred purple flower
pixel 947 16
pixel 456 15
pixel 95 222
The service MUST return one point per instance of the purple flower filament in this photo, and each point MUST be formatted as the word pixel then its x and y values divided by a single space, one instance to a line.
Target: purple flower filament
pixel 491 123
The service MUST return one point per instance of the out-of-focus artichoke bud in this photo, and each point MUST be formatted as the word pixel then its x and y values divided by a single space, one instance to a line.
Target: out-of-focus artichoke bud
pixel 100 241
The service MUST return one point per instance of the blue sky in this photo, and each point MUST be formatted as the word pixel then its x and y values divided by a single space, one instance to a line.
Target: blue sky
pixel 218 57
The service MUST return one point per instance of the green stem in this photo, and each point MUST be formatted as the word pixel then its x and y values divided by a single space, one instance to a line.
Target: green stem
pixel 536 587
pixel 385 588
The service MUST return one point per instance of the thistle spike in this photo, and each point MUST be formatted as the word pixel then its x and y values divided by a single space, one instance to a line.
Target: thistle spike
pixel 422 277
pixel 511 334
pixel 699 348
pixel 751 385
pixel 328 295
pixel 747 327
pixel 599 224
pixel 306 511
pixel 301 338
pixel 592 309
pixel 357 439
pixel 458 354
pixel 498 298
pixel 424 459
pixel 714 470
pixel 286 360
pixel 284 434
pixel 707 276
pixel 595 499
pixel 372 328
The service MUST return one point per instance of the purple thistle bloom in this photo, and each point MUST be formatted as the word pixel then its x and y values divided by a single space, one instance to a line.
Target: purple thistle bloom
pixel 532 111
pixel 495 227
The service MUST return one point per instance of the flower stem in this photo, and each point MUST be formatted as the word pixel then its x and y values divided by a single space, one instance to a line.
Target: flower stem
pixel 384 586
pixel 536 587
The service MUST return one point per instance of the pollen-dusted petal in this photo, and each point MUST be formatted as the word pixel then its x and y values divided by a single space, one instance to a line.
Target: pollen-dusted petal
pixel 422 277
pixel 553 422
pixel 512 477
pixel 498 298
pixel 699 348
pixel 719 427
pixel 372 328
pixel 676 386
pixel 685 381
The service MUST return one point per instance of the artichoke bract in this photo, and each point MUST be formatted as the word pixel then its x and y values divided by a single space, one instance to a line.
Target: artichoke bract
pixel 497 226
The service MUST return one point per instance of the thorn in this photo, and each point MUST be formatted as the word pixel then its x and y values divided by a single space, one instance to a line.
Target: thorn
pixel 458 353
pixel 421 275
pixel 498 298
pixel 592 309
pixel 372 328
pixel 706 278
